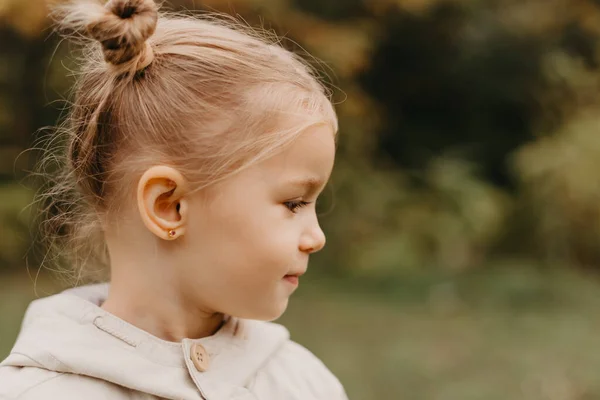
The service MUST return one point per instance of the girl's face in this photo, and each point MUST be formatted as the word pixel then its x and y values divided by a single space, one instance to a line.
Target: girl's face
pixel 254 230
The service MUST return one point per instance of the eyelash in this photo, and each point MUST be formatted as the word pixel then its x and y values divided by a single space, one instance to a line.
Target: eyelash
pixel 293 206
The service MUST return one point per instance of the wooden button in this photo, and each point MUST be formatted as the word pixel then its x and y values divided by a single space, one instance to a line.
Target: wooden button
pixel 199 357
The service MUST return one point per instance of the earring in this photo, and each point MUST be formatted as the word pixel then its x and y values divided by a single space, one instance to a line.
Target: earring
pixel 172 233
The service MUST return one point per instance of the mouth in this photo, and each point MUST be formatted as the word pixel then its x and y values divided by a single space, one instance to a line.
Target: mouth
pixel 293 278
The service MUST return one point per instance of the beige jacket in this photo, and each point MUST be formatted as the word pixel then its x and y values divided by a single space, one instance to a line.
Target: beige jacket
pixel 69 348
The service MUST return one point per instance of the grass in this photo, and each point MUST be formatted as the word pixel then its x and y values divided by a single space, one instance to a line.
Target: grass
pixel 504 332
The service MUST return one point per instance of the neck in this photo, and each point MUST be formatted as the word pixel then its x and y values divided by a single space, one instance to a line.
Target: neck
pixel 160 313
pixel 144 293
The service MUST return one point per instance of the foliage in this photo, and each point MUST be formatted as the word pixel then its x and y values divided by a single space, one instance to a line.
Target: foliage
pixel 15 223
pixel 559 175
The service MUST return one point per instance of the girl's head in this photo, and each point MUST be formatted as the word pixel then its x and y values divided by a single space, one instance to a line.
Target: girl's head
pixel 191 149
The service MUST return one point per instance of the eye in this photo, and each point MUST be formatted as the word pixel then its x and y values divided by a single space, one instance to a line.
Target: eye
pixel 293 206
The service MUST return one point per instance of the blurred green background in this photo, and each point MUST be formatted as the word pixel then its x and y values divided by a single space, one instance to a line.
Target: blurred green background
pixel 463 216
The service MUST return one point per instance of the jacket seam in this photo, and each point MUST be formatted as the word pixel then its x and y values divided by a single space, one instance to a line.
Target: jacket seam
pixel 38 384
pixel 40 365
pixel 69 369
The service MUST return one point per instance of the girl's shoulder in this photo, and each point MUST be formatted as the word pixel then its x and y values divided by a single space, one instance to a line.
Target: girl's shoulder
pixel 295 367
pixel 32 383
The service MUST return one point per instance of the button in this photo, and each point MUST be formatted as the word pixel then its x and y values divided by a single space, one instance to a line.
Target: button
pixel 199 357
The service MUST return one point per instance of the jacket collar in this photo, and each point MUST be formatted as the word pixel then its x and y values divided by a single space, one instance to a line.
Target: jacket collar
pixel 70 333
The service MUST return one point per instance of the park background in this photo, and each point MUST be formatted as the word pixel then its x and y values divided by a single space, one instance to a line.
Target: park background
pixel 463 215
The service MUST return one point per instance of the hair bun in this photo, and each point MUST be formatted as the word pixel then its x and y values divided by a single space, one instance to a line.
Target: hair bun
pixel 123 30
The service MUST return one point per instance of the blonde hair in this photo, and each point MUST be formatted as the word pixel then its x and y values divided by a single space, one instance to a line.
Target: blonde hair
pixel 206 95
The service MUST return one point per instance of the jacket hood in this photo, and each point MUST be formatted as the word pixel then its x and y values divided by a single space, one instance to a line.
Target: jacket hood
pixel 70 333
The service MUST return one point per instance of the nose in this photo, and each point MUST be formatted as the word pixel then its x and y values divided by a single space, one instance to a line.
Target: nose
pixel 313 240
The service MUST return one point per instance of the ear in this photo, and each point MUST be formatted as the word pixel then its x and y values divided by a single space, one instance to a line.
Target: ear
pixel 161 201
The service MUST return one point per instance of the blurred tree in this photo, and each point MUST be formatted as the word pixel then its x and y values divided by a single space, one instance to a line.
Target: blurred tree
pixel 443 88
pixel 24 55
pixel 333 10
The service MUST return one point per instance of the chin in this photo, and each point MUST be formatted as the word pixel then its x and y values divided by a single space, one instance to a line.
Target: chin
pixel 273 312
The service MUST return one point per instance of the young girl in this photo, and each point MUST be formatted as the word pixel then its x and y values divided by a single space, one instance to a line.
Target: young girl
pixel 195 150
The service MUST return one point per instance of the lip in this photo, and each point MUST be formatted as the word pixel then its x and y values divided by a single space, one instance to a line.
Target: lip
pixel 294 278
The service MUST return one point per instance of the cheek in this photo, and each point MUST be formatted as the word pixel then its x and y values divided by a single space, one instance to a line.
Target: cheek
pixel 266 242
pixel 244 239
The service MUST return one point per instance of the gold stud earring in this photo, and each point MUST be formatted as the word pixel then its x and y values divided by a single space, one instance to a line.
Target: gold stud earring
pixel 172 233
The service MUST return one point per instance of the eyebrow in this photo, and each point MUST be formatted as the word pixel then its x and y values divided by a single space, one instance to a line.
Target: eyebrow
pixel 311 184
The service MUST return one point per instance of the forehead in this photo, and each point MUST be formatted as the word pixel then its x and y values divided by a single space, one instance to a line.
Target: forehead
pixel 307 161
pixel 310 156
